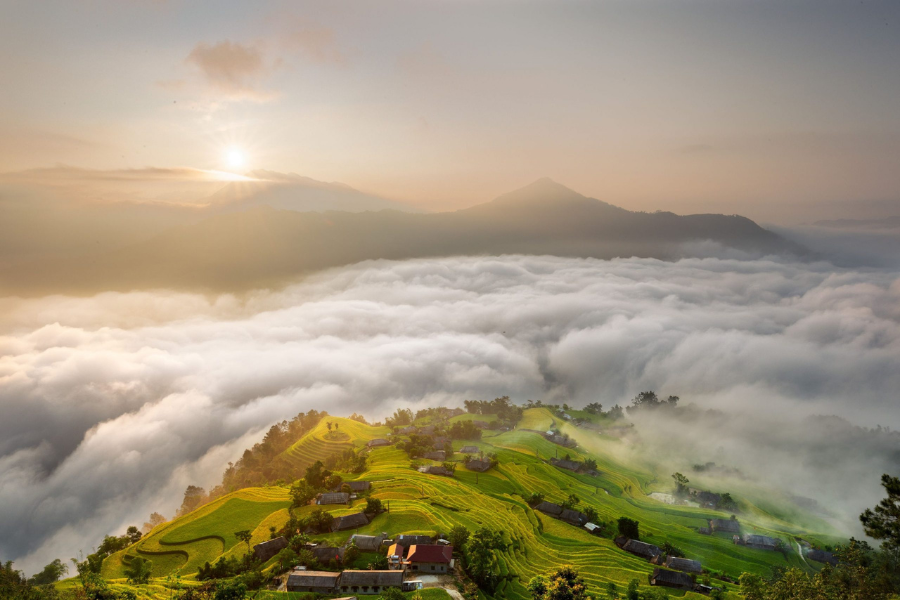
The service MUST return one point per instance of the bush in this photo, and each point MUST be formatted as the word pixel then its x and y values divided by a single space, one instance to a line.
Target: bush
pixel 629 528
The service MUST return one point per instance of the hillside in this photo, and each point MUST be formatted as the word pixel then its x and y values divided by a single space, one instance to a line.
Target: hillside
pixel 535 543
pixel 262 246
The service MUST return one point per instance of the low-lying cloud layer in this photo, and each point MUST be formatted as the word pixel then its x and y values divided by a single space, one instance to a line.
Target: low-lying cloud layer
pixel 124 399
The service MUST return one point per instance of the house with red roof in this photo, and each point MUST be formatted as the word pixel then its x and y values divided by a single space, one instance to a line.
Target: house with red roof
pixel 430 558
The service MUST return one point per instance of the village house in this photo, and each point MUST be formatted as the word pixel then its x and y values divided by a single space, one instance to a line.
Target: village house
pixel 326 554
pixel 427 430
pixel 318 582
pixel 407 430
pixel 568 465
pixel 430 558
pixel 726 525
pixel 355 486
pixel 683 564
pixel 378 442
pixel 395 555
pixel 672 579
pixel 367 543
pixel 548 508
pixel 333 498
pixel 349 522
pixel 638 548
pixel 441 441
pixel 573 517
pixel 436 455
pixel 704 530
pixel 407 541
pixel 593 528
pixel 822 556
pixel 436 470
pixel 708 499
pixel 270 548
pixel 760 542
pixel 480 465
pixel 369 582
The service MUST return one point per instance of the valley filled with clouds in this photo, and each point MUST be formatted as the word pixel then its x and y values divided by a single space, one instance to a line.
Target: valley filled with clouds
pixel 114 403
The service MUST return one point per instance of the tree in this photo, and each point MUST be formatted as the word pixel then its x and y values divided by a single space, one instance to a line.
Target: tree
pixel 392 594
pixel 458 537
pixel 373 505
pixel 316 474
pixel 884 522
pixel 591 513
pixel 571 502
pixel 231 590
pixel 672 400
pixel 351 553
pixel 138 570
pixel 245 535
pixel 595 408
pixel 328 425
pixel 565 584
pixel 612 591
pixel 629 528
pixel 51 573
pixel 379 563
pixel 645 400
pixel 480 558
pixel 154 520
pixel 302 493
pixel 193 498
pixel 133 534
pixel 681 482
pixel 633 593
pixel 536 498
pixel 538 587
pixel 286 559
pixel 590 464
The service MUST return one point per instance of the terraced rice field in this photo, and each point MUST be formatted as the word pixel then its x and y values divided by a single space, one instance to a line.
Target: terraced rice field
pixel 535 543
pixel 318 444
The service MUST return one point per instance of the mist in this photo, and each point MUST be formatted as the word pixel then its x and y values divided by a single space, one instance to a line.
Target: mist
pixel 123 399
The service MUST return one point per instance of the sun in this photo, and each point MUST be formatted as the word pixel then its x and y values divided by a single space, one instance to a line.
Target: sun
pixel 235 157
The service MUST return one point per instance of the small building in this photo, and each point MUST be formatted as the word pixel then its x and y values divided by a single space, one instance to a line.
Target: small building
pixel 573 517
pixel 367 543
pixel 355 486
pixel 672 579
pixel 349 522
pixel 326 554
pixel 469 450
pixel 548 508
pixel 370 582
pixel 568 465
pixel 395 556
pixel 684 564
pixel 436 470
pixel 319 582
pixel 427 430
pixel 407 430
pixel 333 498
pixel 378 442
pixel 432 558
pixel 726 525
pixel 270 548
pixel 708 499
pixel 593 528
pixel 638 548
pixel 822 556
pixel 480 465
pixel 411 540
pixel 441 441
pixel 704 530
pixel 760 542
pixel 435 455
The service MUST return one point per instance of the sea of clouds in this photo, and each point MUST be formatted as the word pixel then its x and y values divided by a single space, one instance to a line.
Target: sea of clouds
pixel 113 404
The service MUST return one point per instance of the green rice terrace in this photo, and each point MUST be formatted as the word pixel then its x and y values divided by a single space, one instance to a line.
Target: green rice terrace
pixel 501 498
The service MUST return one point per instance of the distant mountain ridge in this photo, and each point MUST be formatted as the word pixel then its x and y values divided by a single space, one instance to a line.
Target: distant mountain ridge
pixel 262 246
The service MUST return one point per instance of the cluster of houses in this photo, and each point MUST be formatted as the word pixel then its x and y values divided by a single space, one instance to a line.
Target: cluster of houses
pixel 677 572
pixel 574 466
pixel 407 556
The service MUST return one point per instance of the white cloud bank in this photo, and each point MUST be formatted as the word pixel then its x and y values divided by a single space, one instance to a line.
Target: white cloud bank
pixel 122 400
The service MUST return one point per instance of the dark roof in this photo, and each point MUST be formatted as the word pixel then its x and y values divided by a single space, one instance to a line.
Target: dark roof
pixel 435 470
pixel 410 540
pixel 729 525
pixel 642 549
pixel 822 556
pixel 684 564
pixel 349 522
pixel 469 449
pixel 759 540
pixel 441 440
pixel 367 543
pixel 324 554
pixel 549 508
pixel 319 579
pixel 478 465
pixel 408 429
pixel 266 550
pixel 378 442
pixel 709 497
pixel 569 465
pixel 371 578
pixel 356 486
pixel 427 430
pixel 431 553
pixel 573 516
pixel 334 498
pixel 704 530
pixel 672 578
pixel 436 455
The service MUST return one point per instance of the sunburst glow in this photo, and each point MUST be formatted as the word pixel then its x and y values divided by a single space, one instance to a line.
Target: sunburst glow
pixel 235 157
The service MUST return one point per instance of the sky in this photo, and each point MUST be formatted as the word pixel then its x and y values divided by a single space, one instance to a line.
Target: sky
pixel 784 111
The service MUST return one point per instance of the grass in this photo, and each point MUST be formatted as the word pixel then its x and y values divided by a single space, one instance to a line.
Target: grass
pixel 536 544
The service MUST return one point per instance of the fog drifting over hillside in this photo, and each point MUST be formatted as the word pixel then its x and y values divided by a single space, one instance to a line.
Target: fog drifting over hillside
pixel 114 408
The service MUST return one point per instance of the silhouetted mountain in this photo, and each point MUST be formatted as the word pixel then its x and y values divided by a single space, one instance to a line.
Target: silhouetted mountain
pixel 263 246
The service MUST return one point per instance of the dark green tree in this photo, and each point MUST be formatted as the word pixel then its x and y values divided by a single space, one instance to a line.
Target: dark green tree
pixel 245 535
pixel 138 570
pixel 883 523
